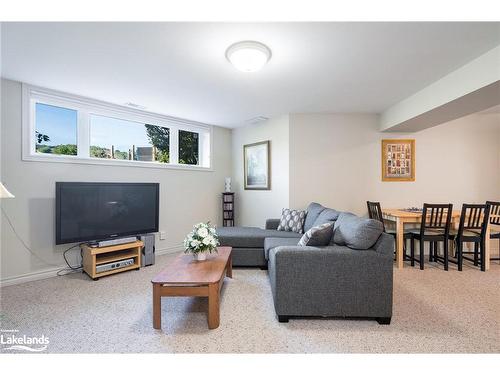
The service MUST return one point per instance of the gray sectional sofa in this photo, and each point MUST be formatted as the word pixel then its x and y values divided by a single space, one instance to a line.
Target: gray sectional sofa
pixel 350 277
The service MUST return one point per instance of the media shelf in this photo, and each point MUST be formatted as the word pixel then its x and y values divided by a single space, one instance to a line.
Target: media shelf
pixel 94 256
pixel 228 209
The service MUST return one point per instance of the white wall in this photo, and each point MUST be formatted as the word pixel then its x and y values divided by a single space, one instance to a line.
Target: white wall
pixel 1 216
pixel 335 160
pixel 186 197
pixel 253 207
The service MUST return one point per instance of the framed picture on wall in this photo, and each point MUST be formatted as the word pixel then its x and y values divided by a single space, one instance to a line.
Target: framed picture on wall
pixel 398 160
pixel 256 166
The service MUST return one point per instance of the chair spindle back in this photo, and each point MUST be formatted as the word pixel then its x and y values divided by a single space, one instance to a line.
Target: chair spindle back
pixel 436 216
pixel 473 217
pixel 494 212
pixel 375 212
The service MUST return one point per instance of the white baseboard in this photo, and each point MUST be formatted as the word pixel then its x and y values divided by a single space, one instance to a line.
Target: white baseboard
pixel 169 250
pixel 32 276
pixel 52 272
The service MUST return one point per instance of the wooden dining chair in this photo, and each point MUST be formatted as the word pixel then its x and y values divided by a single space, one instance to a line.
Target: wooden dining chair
pixel 494 212
pixel 375 213
pixel 434 228
pixel 471 229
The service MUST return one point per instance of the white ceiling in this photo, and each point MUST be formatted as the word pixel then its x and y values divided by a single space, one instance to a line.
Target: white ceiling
pixel 179 69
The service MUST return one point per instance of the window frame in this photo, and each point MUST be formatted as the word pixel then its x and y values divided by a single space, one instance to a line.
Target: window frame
pixel 86 107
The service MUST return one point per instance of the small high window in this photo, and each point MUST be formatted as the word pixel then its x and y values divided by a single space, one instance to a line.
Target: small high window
pixel 112 138
pixel 73 129
pixel 55 130
pixel 188 147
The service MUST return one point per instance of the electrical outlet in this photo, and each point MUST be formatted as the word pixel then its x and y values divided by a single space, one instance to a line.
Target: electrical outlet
pixel 163 235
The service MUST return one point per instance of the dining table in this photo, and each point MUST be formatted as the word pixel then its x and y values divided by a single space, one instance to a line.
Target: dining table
pixel 401 217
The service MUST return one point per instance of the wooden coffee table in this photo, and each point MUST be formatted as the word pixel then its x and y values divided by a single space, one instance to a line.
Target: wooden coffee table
pixel 187 277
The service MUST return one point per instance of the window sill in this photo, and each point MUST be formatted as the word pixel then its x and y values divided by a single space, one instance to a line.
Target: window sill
pixel 115 163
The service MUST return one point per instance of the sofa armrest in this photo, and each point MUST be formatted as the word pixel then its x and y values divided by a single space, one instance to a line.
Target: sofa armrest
pixel 272 224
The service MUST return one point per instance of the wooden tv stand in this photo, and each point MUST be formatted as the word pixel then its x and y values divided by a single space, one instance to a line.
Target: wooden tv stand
pixel 93 256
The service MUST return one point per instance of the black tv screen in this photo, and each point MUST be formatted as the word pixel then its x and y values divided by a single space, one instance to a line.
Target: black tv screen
pixel 90 211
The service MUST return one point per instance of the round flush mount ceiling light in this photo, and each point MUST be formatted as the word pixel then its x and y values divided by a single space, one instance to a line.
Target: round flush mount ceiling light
pixel 248 56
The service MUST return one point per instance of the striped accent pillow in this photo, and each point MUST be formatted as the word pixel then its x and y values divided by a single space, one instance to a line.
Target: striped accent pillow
pixel 317 236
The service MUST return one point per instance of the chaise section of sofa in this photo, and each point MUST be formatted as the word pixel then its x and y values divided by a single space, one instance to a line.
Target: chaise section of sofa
pixel 333 281
pixel 248 243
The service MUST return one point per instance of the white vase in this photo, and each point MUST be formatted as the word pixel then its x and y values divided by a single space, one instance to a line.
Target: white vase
pixel 201 256
pixel 227 184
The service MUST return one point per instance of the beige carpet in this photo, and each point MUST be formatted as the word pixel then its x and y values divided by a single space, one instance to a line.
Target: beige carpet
pixel 434 312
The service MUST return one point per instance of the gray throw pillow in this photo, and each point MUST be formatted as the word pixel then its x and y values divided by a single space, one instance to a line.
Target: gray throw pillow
pixel 292 220
pixel 328 215
pixel 335 225
pixel 356 232
pixel 317 236
pixel 313 211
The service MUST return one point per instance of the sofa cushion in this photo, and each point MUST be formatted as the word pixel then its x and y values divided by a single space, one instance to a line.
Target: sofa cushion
pixel 292 220
pixel 248 257
pixel 249 237
pixel 313 211
pixel 317 236
pixel 272 242
pixel 328 215
pixel 356 232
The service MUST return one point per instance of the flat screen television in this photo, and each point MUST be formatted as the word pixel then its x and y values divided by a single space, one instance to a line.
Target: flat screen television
pixel 91 211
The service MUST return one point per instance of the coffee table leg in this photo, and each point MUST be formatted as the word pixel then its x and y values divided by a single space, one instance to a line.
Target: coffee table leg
pixel 213 305
pixel 156 306
pixel 229 267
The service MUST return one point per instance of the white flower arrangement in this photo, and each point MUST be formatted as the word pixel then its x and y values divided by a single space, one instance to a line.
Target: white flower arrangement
pixel 202 239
